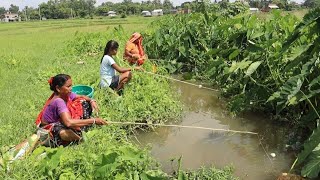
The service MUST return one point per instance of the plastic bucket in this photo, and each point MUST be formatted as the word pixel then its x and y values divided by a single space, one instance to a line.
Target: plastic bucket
pixel 83 90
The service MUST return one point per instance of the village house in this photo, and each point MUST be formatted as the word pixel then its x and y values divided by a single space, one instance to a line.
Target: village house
pixel 8 17
pixel 157 12
pixel 112 13
pixel 273 6
pixel 146 13
pixel 254 10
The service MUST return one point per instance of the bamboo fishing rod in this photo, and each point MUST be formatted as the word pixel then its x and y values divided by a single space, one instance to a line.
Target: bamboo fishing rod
pixel 196 127
pixel 181 126
pixel 170 78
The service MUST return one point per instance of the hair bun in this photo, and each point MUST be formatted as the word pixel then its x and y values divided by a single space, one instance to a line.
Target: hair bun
pixel 50 81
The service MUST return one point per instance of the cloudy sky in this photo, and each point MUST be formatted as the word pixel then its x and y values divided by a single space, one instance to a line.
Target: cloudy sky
pixel 34 3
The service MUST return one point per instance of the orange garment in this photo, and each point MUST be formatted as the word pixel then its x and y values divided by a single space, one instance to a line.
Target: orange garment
pixel 134 47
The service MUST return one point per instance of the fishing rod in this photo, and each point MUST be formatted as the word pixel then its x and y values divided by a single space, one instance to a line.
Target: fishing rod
pixel 181 126
pixel 173 79
pixel 198 127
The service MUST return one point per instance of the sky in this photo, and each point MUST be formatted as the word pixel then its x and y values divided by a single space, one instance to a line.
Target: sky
pixel 35 3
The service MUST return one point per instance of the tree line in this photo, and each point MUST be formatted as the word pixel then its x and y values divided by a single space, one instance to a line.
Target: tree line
pixel 63 9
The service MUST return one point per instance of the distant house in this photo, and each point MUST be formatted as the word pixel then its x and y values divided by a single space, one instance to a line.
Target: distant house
pixel 146 13
pixel 8 16
pixel 253 10
pixel 112 13
pixel 273 6
pixel 269 7
pixel 186 11
pixel 174 11
pixel 182 11
pixel 157 12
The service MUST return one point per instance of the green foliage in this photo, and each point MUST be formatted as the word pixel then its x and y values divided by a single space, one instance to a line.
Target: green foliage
pixel 208 173
pixel 312 167
pixel 265 64
pixel 105 154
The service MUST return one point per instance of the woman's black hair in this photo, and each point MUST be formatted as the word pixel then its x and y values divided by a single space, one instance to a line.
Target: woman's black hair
pixel 111 45
pixel 58 80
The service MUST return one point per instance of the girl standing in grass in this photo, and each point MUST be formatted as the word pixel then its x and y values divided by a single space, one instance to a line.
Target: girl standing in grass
pixel 108 68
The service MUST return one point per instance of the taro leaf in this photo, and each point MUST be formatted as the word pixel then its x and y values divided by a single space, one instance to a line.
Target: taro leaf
pixel 109 158
pixel 274 96
pixel 312 168
pixel 256 35
pixel 182 50
pixel 153 175
pixel 121 176
pixel 158 38
pixel 309 145
pixel 315 81
pixel 234 54
pixel 287 93
pixel 298 51
pixel 54 158
pixel 255 48
pixel 67 175
pixel 310 95
pixel 253 67
pixel 108 164
pixel 212 52
pixel 182 176
pixel 239 65
pixel 104 171
pixel 308 19
pixel 238 26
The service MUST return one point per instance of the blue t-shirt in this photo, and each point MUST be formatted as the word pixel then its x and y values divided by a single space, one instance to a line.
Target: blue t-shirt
pixel 106 71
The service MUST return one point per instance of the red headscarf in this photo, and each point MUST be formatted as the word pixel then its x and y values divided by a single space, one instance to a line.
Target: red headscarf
pixel 136 38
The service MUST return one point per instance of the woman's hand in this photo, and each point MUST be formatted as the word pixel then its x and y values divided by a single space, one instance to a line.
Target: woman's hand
pixel 139 68
pixel 100 121
pixel 94 105
pixel 135 56
pixel 144 57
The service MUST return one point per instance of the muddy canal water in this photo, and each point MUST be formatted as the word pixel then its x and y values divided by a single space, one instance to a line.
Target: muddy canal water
pixel 197 147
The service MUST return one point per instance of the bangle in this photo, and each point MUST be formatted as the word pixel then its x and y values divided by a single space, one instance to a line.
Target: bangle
pixel 94 121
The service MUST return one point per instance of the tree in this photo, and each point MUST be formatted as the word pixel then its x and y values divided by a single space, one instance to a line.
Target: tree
pixel 311 3
pixel 2 11
pixel 167 6
pixel 14 8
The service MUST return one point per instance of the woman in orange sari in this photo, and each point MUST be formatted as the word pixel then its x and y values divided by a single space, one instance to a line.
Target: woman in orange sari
pixel 134 51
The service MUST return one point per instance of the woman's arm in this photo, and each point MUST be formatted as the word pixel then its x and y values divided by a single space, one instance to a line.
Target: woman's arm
pixel 122 70
pixel 73 123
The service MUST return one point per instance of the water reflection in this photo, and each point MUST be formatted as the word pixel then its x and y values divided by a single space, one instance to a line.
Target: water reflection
pixel 198 147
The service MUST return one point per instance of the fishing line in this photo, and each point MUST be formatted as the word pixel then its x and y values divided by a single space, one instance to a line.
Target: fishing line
pixel 173 79
pixel 197 127
pixel 181 126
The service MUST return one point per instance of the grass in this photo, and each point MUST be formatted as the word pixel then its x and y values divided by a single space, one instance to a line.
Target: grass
pixel 31 52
